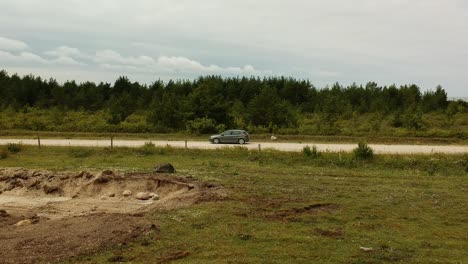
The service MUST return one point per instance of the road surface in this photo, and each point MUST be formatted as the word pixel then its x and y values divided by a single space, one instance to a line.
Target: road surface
pixel 378 148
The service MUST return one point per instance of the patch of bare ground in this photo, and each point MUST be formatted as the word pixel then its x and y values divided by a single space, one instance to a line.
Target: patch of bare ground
pixel 173 256
pixel 332 233
pixel 293 214
pixel 50 216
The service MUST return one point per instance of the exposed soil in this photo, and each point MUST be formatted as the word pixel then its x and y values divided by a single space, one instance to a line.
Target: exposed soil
pixel 49 216
pixel 292 214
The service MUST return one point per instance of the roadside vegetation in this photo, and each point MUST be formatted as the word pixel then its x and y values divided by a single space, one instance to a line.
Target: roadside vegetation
pixel 278 105
pixel 289 207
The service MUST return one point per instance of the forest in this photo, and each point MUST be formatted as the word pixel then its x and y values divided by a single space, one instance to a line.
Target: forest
pixel 208 104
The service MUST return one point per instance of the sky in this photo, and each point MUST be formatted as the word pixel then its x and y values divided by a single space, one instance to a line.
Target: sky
pixel 421 42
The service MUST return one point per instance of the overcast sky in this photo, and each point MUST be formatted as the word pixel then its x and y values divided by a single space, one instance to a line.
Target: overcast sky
pixel 388 41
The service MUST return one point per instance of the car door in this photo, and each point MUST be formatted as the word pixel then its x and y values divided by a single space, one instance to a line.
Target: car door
pixel 227 136
pixel 231 137
pixel 236 134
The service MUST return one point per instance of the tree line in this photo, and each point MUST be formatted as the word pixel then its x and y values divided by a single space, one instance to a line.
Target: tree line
pixel 211 103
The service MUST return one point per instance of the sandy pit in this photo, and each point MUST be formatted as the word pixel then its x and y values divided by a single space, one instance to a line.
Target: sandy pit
pixel 50 216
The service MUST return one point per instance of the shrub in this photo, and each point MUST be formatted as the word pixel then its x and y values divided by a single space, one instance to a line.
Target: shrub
pixel 201 126
pixel 363 152
pixel 147 149
pixel 80 152
pixel 14 147
pixel 311 152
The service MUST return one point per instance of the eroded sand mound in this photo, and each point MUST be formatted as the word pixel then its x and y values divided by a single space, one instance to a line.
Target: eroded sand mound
pixel 48 216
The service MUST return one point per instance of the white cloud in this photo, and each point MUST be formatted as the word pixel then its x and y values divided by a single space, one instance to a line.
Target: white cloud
pixel 183 64
pixel 112 57
pixel 65 51
pixel 112 60
pixel 64 60
pixel 12 44
pixel 23 57
pixel 29 59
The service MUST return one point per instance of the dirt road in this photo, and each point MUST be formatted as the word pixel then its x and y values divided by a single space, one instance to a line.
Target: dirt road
pixel 378 148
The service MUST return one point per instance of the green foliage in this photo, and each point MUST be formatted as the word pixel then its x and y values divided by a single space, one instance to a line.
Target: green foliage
pixel 3 153
pixel 311 152
pixel 212 103
pixel 363 152
pixel 80 152
pixel 202 126
pixel 14 148
pixel 147 149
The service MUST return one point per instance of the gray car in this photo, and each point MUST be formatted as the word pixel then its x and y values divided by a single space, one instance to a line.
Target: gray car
pixel 231 136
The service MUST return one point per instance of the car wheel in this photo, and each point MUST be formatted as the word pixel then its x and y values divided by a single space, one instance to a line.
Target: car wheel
pixel 241 141
pixel 216 141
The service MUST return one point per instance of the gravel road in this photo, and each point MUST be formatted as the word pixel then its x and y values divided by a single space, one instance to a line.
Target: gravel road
pixel 378 148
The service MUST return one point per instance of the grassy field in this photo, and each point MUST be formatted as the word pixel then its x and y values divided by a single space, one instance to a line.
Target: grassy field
pixel 291 208
pixel 255 137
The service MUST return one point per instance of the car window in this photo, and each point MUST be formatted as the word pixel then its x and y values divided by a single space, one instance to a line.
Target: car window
pixel 236 132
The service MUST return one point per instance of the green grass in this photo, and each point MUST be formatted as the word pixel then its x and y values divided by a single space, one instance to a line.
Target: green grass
pixel 409 209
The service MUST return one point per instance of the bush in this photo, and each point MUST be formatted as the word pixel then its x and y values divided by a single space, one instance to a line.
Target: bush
pixel 14 148
pixel 150 149
pixel 80 152
pixel 311 152
pixel 363 152
pixel 201 126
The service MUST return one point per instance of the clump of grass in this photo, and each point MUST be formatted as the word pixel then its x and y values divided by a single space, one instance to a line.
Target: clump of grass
pixel 150 149
pixel 3 153
pixel 14 148
pixel 463 162
pixel 363 152
pixel 311 152
pixel 80 152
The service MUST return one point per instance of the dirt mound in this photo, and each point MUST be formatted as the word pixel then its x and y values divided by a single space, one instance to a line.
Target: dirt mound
pixel 85 210
pixel 64 238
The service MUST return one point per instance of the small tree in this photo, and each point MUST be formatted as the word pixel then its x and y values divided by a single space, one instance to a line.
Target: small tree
pixel 311 152
pixel 363 152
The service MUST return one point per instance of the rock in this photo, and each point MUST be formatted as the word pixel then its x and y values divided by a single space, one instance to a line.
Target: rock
pixel 23 223
pixel 64 177
pixel 107 172
pixel 84 174
pixel 52 189
pixel 4 177
pixel 143 196
pixel 4 213
pixel 127 193
pixel 366 249
pixel 154 196
pixel 165 168
pixel 14 183
pixel 94 208
pixel 111 195
pixel 103 178
pixel 190 186
pixel 34 219
pixel 36 184
pixel 21 175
